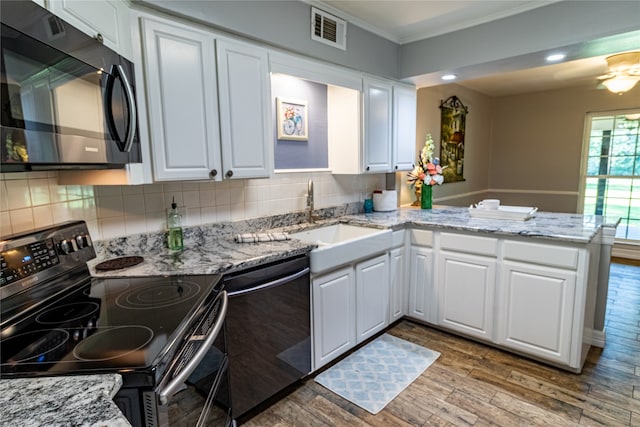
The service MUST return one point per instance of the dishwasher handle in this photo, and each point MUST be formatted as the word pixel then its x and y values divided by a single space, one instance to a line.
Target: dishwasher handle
pixel 173 386
pixel 271 284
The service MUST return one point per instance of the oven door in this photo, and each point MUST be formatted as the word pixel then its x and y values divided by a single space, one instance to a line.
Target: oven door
pixel 195 390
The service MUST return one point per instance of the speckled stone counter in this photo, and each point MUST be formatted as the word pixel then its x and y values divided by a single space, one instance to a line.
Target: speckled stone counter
pixel 545 225
pixel 83 400
pixel 212 250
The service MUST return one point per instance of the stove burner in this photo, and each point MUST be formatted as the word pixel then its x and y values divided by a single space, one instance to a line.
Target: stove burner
pixel 68 313
pixel 38 345
pixel 158 295
pixel 119 263
pixel 113 343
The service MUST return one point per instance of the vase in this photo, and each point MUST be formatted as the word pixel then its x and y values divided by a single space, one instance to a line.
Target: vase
pixel 417 192
pixel 426 197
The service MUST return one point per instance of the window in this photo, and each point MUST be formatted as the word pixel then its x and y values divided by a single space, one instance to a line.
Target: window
pixel 611 170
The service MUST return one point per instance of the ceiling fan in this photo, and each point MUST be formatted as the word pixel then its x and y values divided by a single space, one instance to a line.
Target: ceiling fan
pixel 624 72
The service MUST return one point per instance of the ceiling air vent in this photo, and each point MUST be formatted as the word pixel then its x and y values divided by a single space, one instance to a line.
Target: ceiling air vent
pixel 328 29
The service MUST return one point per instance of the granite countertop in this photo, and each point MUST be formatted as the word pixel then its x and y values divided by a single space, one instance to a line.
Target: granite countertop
pixel 82 400
pixel 211 256
pixel 212 249
pixel 566 227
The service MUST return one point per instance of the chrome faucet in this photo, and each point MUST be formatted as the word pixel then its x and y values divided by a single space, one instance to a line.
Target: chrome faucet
pixel 312 218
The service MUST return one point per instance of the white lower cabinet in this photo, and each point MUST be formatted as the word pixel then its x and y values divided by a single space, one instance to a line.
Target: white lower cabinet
pixel 534 298
pixel 334 315
pixel 466 288
pixel 420 283
pixel 372 296
pixel 397 283
pixel 349 305
pixel 421 301
pixel 536 310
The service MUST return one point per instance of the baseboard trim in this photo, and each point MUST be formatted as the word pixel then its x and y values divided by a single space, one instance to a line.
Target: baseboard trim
pixel 598 338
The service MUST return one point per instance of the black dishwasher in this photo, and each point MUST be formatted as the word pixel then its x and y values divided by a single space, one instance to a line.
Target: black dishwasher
pixel 268 332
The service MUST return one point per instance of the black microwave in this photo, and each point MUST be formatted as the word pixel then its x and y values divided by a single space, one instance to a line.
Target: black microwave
pixel 67 101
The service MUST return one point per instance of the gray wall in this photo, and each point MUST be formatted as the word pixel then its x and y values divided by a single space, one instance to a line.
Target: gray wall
pixel 586 28
pixel 583 28
pixel 287 24
pixel 311 154
pixel 537 141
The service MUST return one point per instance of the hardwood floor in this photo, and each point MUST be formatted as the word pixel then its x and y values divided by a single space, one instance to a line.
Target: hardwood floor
pixel 474 384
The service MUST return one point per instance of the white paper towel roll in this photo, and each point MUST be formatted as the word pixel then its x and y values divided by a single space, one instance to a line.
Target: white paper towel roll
pixel 385 201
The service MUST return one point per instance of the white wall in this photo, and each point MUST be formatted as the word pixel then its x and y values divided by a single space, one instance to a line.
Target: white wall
pixel 34 199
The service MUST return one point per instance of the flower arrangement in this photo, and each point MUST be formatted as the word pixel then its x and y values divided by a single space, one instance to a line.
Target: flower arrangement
pixel 428 170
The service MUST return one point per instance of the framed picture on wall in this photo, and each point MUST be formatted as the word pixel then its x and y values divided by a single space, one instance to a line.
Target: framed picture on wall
pixel 453 120
pixel 291 119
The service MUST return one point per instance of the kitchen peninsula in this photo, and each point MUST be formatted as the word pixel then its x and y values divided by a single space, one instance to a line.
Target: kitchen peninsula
pixel 535 287
pixel 530 287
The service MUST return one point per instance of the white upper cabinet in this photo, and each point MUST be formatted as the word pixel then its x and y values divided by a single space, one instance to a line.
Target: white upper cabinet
pixel 182 101
pixel 103 19
pixel 208 104
pixel 377 112
pixel 404 127
pixel 245 110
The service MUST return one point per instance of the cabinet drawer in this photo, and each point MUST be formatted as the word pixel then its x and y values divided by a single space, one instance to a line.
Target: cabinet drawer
pixel 397 238
pixel 469 244
pixel 551 255
pixel 422 237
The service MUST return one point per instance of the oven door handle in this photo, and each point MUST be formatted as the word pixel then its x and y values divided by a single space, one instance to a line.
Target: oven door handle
pixel 271 284
pixel 173 386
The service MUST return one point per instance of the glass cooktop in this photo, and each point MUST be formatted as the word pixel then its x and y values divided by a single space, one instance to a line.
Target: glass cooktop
pixel 112 324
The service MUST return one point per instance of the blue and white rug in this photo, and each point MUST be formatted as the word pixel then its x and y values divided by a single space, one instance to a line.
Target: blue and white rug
pixel 374 375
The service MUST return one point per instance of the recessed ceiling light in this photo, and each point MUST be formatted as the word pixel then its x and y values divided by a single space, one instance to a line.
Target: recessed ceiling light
pixel 556 57
pixel 449 77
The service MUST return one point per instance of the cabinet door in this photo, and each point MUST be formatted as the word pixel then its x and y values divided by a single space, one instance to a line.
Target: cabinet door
pixel 334 315
pixel 372 296
pixel 108 18
pixel 245 110
pixel 466 288
pixel 420 283
pixel 377 125
pixel 404 127
pixel 397 284
pixel 182 101
pixel 536 310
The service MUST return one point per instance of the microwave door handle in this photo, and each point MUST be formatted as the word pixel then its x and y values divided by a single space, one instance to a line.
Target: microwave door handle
pixel 118 72
pixel 192 364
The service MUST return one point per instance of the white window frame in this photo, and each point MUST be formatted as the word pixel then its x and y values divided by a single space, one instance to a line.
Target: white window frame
pixel 585 157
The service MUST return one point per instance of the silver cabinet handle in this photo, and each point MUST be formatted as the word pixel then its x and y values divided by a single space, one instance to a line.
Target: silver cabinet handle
pixel 188 369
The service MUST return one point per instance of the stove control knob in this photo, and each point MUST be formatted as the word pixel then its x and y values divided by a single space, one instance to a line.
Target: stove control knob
pixel 82 241
pixel 66 246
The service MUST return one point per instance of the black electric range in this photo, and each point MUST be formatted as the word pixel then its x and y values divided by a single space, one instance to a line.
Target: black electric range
pixel 58 320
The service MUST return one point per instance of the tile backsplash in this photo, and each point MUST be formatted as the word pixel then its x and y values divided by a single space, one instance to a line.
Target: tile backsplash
pixel 34 199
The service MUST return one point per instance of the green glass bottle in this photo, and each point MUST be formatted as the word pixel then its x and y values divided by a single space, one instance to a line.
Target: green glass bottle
pixel 174 239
